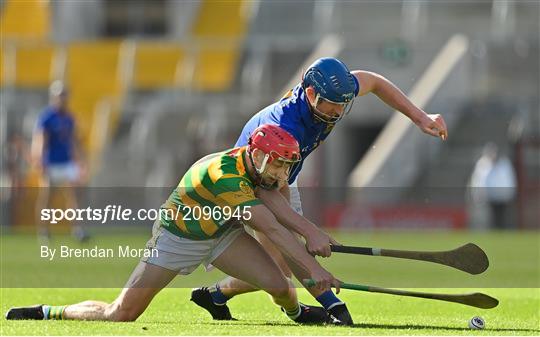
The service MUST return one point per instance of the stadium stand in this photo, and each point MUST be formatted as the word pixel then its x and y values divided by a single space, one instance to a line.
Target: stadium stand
pixel 218 57
pixel 29 19
pixel 34 65
pixel 190 75
pixel 94 76
pixel 157 65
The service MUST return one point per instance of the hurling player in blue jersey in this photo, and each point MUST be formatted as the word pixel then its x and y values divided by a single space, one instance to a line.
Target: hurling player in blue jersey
pixel 309 112
pixel 56 155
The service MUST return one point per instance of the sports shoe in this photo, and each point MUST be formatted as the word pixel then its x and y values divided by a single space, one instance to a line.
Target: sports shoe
pixel 202 297
pixel 35 312
pixel 311 315
pixel 340 315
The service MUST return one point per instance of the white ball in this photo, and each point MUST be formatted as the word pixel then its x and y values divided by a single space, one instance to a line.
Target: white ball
pixel 476 322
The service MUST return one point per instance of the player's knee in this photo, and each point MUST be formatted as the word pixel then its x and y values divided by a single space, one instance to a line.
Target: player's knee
pixel 280 292
pixel 124 316
pixel 279 289
pixel 116 313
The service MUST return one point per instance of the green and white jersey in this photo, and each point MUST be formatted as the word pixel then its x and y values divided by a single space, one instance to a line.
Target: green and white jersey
pixel 212 192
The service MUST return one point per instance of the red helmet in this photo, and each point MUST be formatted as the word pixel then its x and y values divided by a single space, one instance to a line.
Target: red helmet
pixel 276 143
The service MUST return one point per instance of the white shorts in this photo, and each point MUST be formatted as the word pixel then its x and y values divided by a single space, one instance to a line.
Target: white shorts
pixel 59 174
pixel 296 202
pixel 184 255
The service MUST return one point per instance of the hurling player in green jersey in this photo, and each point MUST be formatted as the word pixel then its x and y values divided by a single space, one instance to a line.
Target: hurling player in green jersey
pixel 202 224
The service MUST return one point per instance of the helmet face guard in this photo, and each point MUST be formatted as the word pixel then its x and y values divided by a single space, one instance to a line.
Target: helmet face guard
pixel 330 119
pixel 269 158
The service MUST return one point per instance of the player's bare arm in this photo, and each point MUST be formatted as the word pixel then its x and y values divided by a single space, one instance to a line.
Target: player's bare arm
pixel 36 151
pixel 317 241
pixel 264 221
pixel 286 192
pixel 79 156
pixel 432 124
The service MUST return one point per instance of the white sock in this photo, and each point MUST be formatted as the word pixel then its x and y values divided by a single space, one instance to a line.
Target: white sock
pixel 45 309
pixel 295 313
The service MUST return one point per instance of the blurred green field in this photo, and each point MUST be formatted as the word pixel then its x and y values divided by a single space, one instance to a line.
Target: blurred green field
pixel 513 277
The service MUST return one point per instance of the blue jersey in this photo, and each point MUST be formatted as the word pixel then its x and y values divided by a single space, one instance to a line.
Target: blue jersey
pixel 292 113
pixel 58 129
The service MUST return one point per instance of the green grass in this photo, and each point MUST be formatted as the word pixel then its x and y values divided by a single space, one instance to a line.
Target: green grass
pixel 513 256
pixel 171 313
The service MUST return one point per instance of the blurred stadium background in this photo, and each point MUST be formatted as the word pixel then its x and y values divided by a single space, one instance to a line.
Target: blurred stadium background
pixel 155 85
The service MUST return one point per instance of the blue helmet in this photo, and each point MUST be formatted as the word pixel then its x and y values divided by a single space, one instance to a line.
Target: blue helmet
pixel 333 82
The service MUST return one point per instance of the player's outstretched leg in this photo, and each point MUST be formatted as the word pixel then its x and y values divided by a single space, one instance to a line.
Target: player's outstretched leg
pixel 215 302
pixel 145 282
pixel 334 306
pixel 214 299
pixel 231 286
pixel 262 272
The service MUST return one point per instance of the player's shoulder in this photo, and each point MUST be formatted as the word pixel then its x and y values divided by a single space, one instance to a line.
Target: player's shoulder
pixel 293 98
pixel 281 113
pixel 46 117
pixel 49 113
pixel 208 158
pixel 225 165
pixel 46 113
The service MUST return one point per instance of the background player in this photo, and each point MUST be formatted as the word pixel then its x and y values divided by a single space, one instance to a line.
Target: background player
pixel 57 155
pixel 224 180
pixel 309 112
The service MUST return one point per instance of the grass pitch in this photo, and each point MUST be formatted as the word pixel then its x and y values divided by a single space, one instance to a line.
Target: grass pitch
pixel 171 312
